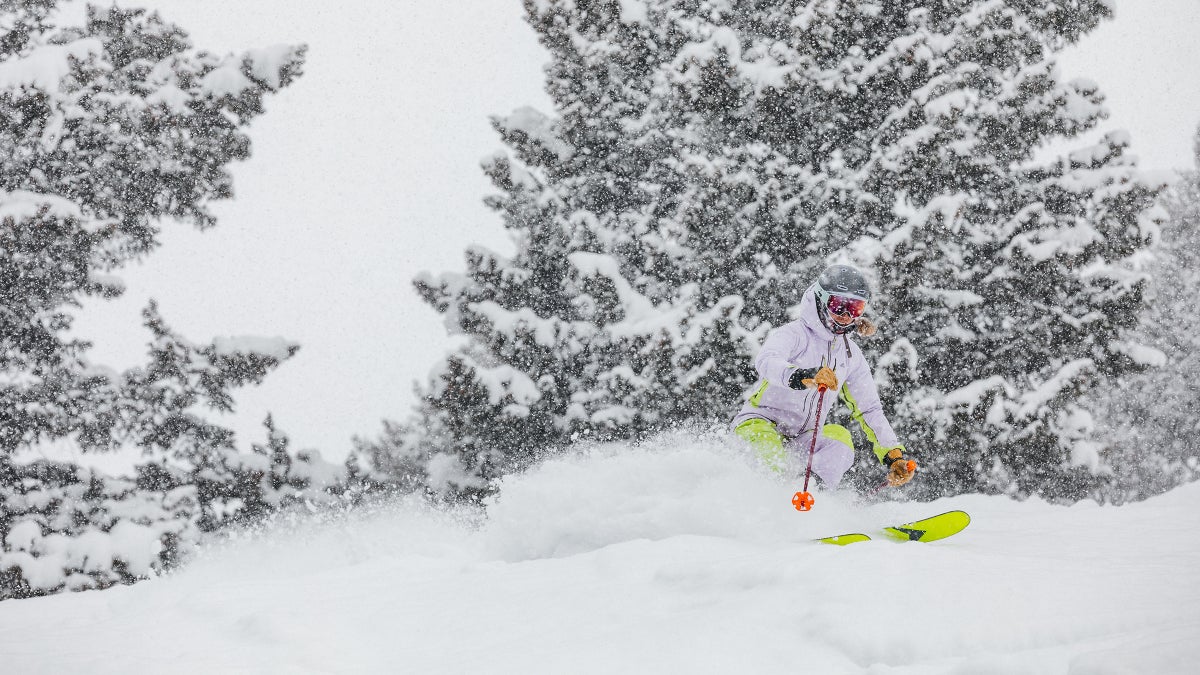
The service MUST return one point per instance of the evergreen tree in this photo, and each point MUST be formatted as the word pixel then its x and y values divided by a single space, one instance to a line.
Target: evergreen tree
pixel 71 528
pixel 708 157
pixel 108 128
pixel 1149 419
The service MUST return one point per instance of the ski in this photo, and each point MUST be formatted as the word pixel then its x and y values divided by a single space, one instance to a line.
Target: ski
pixel 929 529
pixel 845 539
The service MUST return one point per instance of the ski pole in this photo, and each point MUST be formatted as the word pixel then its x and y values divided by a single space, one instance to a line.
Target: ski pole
pixel 803 500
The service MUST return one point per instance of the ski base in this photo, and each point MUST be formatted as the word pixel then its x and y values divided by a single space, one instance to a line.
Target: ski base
pixel 929 529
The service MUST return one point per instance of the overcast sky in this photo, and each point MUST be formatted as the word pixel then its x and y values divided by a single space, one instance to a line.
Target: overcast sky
pixel 366 172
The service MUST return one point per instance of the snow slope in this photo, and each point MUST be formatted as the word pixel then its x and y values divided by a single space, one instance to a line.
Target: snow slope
pixel 680 559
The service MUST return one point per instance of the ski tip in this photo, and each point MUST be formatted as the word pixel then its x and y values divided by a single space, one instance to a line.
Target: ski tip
pixel 961 517
pixel 845 539
pixel 930 529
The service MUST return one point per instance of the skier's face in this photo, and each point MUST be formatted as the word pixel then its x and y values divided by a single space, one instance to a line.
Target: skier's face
pixel 844 311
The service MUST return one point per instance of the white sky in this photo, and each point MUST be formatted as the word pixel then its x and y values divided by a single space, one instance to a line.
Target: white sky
pixel 1147 61
pixel 366 172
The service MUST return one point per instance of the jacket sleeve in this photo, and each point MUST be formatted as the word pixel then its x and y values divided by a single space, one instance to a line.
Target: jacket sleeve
pixel 862 397
pixel 774 359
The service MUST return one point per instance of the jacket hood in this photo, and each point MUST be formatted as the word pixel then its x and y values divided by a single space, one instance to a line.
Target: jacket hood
pixel 808 314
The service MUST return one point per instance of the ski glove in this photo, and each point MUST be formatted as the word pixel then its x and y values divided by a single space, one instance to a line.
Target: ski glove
pixel 900 469
pixel 811 378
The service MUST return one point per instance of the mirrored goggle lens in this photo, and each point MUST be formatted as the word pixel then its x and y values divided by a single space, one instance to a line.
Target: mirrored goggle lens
pixel 847 309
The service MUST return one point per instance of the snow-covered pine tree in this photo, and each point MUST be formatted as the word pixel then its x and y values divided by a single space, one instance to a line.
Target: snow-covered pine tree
pixel 107 128
pixel 1008 276
pixel 561 343
pixel 159 405
pixel 67 527
pixel 1148 419
pixel 707 158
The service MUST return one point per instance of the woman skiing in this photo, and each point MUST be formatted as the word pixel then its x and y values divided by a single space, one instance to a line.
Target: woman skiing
pixel 814 352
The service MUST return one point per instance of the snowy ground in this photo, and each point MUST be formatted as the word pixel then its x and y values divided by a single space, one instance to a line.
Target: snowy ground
pixel 684 559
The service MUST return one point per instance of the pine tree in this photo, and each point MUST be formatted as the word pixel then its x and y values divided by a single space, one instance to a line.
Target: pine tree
pixel 70 528
pixel 107 129
pixel 1148 419
pixel 1009 277
pixel 708 158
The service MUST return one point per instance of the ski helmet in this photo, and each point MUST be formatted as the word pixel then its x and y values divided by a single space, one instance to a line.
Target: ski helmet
pixel 842 297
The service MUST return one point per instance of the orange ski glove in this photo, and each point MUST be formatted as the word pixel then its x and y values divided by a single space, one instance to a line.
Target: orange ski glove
pixel 900 469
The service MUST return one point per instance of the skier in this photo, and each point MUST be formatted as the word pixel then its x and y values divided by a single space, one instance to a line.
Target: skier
pixel 812 352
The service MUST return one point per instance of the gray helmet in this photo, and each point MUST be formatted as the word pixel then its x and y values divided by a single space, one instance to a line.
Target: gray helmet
pixel 842 296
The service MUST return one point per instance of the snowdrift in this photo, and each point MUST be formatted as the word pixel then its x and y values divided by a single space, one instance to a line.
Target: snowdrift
pixel 683 558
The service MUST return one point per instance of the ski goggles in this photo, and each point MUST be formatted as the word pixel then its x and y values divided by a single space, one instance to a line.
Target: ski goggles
pixel 845 310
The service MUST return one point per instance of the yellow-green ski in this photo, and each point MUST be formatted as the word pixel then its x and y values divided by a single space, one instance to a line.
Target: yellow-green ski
pixel 845 539
pixel 930 529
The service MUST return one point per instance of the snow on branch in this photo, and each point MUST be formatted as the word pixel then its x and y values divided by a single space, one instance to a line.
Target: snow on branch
pixel 503 383
pixel 270 68
pixel 546 332
pixel 1036 401
pixel 1141 354
pixel 23 205
pixel 47 66
pixel 634 11
pixel 250 346
pixel 971 395
pixel 1046 243
pixel 537 128
pixel 762 73
pixel 641 315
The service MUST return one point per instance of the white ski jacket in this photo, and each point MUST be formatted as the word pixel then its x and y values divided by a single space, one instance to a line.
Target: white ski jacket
pixel 807 344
